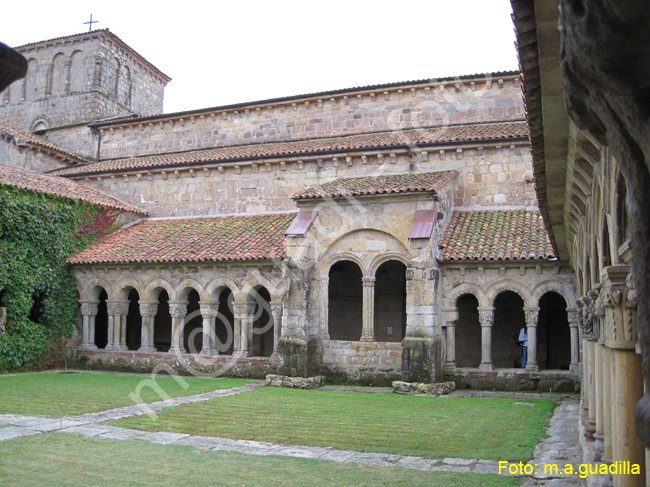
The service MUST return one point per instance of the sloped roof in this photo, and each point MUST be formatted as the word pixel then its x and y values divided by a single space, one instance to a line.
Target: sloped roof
pixel 20 137
pixel 229 238
pixel 43 183
pixel 374 185
pixel 496 235
pixel 403 138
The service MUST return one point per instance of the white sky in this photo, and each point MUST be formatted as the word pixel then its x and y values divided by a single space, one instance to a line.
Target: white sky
pixel 222 52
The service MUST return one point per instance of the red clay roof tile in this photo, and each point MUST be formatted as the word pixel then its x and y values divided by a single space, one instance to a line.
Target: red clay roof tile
pixel 454 133
pixel 496 235
pixel 43 183
pixel 229 238
pixel 22 137
pixel 373 185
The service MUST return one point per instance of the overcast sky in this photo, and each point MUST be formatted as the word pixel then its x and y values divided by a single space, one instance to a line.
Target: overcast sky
pixel 224 52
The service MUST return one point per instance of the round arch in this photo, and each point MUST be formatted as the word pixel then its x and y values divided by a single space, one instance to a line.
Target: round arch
pixel 123 287
pixel 383 258
pixel 451 298
pixel 216 286
pixel 563 289
pixel 153 287
pixel 92 288
pixel 509 284
pixel 185 287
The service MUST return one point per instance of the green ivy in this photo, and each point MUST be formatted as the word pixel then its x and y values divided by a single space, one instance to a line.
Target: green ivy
pixel 38 232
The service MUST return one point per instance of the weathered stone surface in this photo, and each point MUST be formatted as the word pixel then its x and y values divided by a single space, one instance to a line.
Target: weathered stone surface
pixel 273 380
pixel 435 389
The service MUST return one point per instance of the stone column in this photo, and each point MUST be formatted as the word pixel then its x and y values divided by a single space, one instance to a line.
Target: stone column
pixel 89 311
pixel 619 302
pixel 49 80
pixel 148 310
pixel 486 318
pixel 209 312
pixel 532 316
pixel 97 75
pixel 608 407
pixel 68 65
pixel 368 323
pixel 276 312
pixel 117 312
pixel 243 311
pixel 178 311
pixel 450 317
pixel 573 318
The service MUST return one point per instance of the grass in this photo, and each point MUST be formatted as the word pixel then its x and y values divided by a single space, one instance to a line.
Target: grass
pixel 71 460
pixel 77 393
pixel 491 429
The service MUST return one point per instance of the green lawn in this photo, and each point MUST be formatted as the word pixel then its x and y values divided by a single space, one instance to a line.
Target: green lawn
pixel 491 429
pixel 59 459
pixel 77 393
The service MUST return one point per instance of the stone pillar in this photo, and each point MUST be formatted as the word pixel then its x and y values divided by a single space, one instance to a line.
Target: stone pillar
pixel 178 311
pixel 89 311
pixel 532 316
pixel 486 318
pixel 276 312
pixel 450 317
pixel 243 311
pixel 598 388
pixel 608 407
pixel 148 310
pixel 117 312
pixel 619 302
pixel 209 312
pixel 68 65
pixel 97 75
pixel 573 318
pixel 368 328
pixel 591 386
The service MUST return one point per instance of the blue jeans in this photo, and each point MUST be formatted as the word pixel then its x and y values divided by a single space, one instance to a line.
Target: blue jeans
pixel 524 357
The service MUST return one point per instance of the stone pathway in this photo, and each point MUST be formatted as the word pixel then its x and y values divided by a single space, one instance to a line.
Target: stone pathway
pixel 560 448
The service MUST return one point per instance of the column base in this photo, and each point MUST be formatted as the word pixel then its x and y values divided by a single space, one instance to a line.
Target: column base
pixel 367 339
pixel 575 369
pixel 532 367
pixel 176 350
pixel 109 347
pixel 208 351
pixel 88 346
pixel 450 366
pixel 121 348
pixel 147 349
pixel 486 366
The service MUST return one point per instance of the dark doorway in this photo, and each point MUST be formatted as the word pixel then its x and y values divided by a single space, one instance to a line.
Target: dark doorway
pixel 390 302
pixel 509 319
pixel 193 329
pixel 225 324
pixel 263 324
pixel 162 325
pixel 468 332
pixel 553 333
pixel 345 301
pixel 133 322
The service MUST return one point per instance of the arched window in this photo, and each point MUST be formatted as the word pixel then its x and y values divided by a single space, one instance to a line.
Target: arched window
pixel 390 302
pixel 345 301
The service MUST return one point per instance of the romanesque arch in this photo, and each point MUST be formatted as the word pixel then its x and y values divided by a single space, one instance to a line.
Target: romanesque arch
pixel 509 319
pixel 390 300
pixel 262 322
pixel 467 331
pixel 345 300
pixel 78 77
pixel 553 333
pixel 58 75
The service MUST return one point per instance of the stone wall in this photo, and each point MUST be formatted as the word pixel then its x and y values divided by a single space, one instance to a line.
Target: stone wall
pixel 475 100
pixel 27 157
pixel 495 175
pixel 376 363
pixel 81 78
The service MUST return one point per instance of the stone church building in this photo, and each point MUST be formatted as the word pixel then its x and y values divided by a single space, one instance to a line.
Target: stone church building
pixel 369 234
pixel 407 230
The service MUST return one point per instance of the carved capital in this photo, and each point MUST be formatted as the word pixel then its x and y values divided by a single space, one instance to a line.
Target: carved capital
pixel 89 308
pixel 117 308
pixel 532 316
pixel 148 309
pixel 368 281
pixel 276 309
pixel 209 310
pixel 177 309
pixel 486 316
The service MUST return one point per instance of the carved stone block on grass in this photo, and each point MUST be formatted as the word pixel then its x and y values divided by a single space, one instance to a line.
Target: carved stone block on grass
pixel 273 380
pixel 435 389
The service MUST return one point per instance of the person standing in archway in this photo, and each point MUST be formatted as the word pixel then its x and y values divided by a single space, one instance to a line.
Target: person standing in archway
pixel 523 343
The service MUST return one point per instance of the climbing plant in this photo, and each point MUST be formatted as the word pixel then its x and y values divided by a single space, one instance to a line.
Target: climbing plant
pixel 38 232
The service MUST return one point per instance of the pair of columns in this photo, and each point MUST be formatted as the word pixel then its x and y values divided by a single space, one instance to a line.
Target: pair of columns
pixel 486 320
pixel 117 313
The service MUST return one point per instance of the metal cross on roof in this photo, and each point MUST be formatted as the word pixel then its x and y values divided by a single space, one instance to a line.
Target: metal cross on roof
pixel 90 24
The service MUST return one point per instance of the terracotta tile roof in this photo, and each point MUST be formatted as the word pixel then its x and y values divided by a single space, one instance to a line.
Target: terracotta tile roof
pixel 496 235
pixel 229 238
pixel 372 185
pixel 20 137
pixel 420 137
pixel 43 183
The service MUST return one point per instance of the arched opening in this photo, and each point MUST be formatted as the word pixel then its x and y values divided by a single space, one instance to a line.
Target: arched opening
pixel 133 322
pixel 390 302
pixel 3 312
pixel 468 332
pixel 225 323
pixel 58 75
pixel 262 345
pixel 101 321
pixel 193 328
pixel 553 333
pixel 345 301
pixel 36 313
pixel 509 319
pixel 162 325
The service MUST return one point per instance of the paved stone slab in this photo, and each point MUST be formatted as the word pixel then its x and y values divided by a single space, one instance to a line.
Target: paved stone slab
pixel 302 452
pixel 203 442
pixel 32 422
pixel 458 461
pixel 375 459
pixel 451 468
pixel 338 456
pixel 416 463
pixel 89 430
pixel 12 418
pixel 58 425
pixel 11 432
pixel 162 438
pixel 122 434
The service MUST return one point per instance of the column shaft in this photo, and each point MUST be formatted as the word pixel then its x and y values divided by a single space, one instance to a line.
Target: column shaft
pixel 451 345
pixel 368 319
pixel 532 315
pixel 486 318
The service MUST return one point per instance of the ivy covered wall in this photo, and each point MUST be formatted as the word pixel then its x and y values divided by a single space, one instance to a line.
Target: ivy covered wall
pixel 38 232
